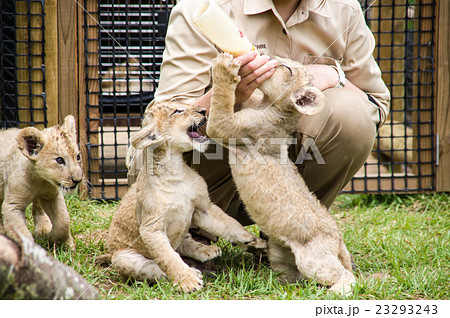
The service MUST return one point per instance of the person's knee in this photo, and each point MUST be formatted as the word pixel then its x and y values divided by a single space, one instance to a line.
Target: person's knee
pixel 351 118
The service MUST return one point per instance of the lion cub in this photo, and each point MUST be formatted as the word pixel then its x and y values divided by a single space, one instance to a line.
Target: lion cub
pixel 304 239
pixel 150 228
pixel 35 166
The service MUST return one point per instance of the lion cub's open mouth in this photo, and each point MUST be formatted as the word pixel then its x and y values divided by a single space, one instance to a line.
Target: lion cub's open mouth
pixel 66 187
pixel 194 132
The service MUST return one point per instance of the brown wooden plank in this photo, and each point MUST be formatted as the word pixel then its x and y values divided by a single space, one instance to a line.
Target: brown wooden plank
pixel 67 59
pixel 423 115
pixel 442 95
pixel 51 61
pixel 92 74
pixel 426 91
pixel 82 114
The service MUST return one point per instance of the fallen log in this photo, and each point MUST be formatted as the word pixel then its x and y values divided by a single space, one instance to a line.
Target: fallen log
pixel 27 272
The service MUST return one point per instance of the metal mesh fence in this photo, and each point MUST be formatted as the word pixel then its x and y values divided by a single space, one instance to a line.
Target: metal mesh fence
pixel 124 46
pixel 403 157
pixel 124 41
pixel 22 64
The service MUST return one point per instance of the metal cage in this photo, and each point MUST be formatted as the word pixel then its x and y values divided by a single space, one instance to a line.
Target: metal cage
pixel 130 37
pixel 124 46
pixel 118 45
pixel 22 64
pixel 403 157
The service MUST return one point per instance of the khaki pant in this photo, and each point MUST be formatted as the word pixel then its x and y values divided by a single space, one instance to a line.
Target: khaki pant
pixel 336 143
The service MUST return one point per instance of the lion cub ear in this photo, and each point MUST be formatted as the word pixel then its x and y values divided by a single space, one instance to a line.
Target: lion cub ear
pixel 31 141
pixel 148 136
pixel 310 102
pixel 69 125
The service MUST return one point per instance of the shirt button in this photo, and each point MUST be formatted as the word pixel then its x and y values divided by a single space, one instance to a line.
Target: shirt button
pixel 284 31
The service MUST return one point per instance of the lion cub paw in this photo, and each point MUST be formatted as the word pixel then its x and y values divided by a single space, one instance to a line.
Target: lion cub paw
pixel 225 69
pixel 208 252
pixel 43 228
pixel 258 243
pixel 189 281
pixel 252 243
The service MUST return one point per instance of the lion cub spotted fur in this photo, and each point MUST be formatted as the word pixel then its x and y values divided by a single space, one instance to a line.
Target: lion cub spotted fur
pixel 304 239
pixel 150 228
pixel 35 166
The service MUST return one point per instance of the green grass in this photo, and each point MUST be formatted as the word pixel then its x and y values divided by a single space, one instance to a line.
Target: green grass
pixel 401 238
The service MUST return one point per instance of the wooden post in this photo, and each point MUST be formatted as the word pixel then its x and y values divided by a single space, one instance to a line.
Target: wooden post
pixel 82 114
pixel 423 116
pixel 67 58
pixel 51 61
pixel 442 95
pixel 92 77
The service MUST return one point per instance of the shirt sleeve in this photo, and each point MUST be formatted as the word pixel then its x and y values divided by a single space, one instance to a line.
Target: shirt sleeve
pixel 361 68
pixel 187 58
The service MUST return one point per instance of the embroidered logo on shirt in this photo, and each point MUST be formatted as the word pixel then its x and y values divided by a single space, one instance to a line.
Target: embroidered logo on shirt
pixel 260 46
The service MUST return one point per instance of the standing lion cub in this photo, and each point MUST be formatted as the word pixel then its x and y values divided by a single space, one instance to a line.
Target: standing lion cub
pixel 304 239
pixel 35 166
pixel 150 228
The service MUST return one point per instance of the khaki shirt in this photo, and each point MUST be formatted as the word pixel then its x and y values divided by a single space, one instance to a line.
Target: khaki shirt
pixel 336 30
